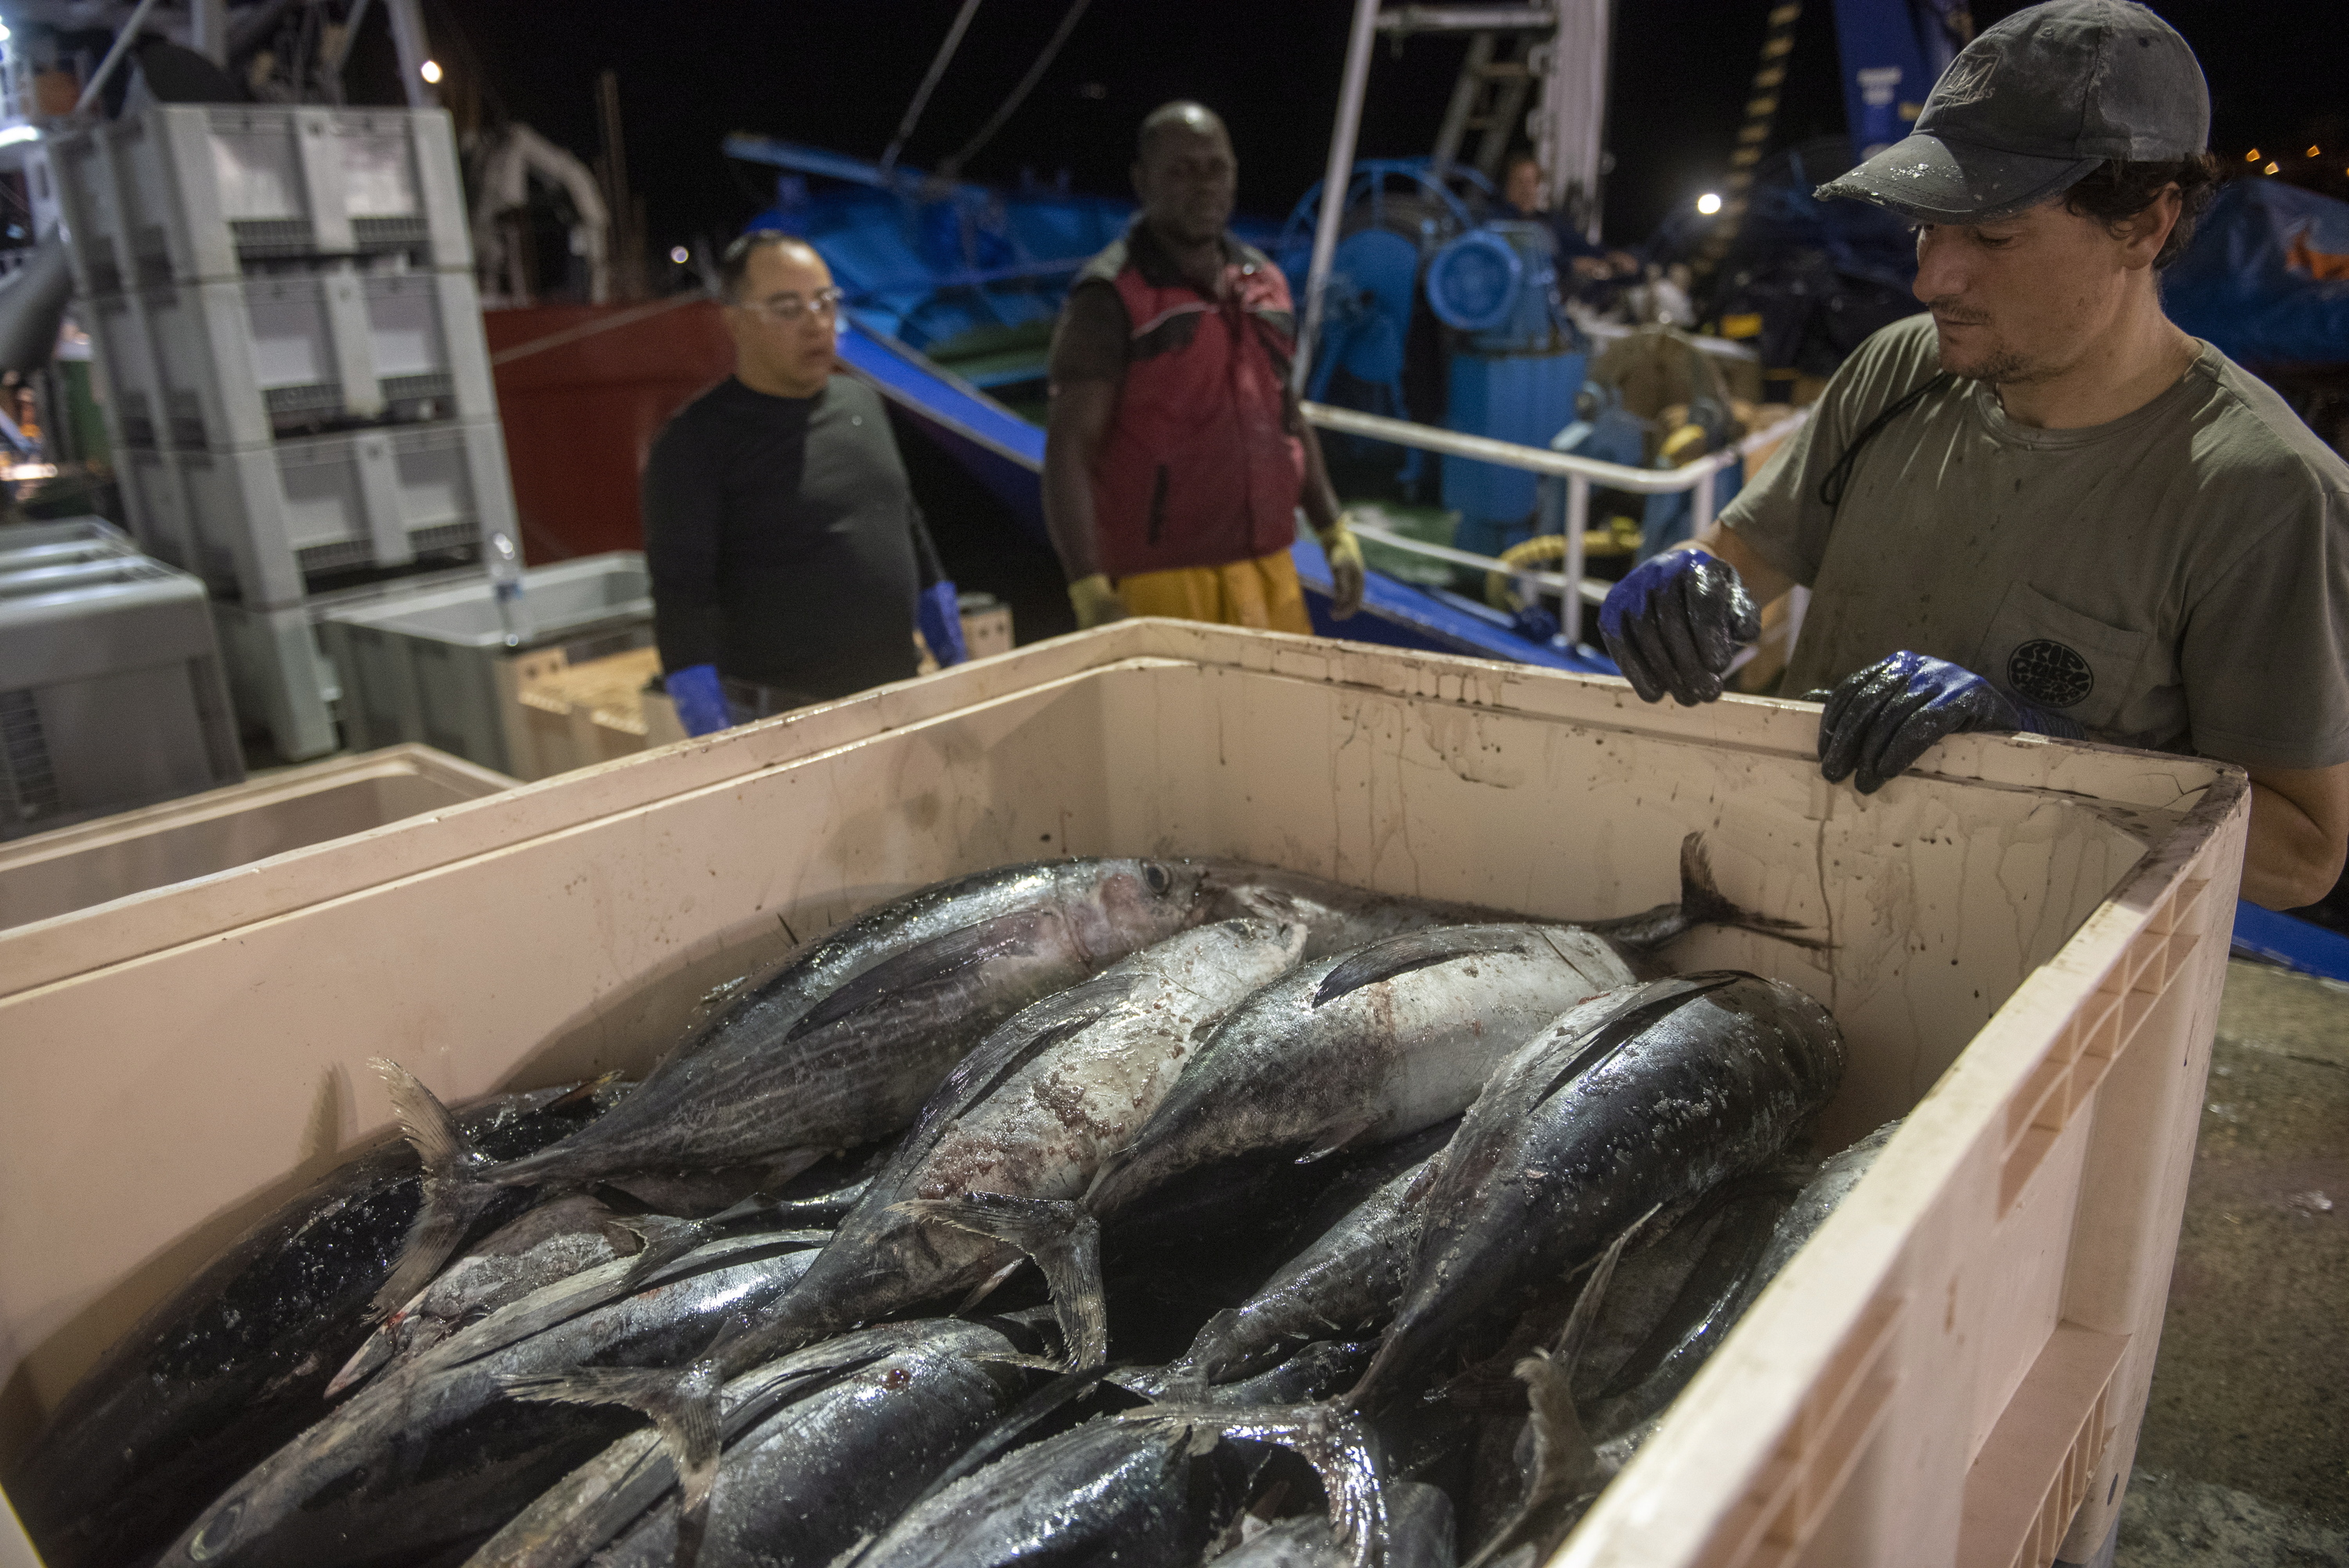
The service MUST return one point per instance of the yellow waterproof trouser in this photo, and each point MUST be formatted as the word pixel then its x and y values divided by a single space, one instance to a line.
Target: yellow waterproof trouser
pixel 1262 593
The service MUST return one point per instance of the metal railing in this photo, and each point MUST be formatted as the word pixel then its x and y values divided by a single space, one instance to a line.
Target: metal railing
pixel 1580 473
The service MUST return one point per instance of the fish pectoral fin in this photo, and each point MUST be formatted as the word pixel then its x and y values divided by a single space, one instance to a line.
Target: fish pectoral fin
pixel 1331 1439
pixel 1065 1241
pixel 683 1407
pixel 389 1338
pixel 1340 1137
pixel 989 1285
pixel 454 1196
pixel 1567 1469
pixel 663 1240
pixel 1571 1338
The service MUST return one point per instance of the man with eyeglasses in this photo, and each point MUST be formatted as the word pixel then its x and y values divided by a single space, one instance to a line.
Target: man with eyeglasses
pixel 1174 455
pixel 788 560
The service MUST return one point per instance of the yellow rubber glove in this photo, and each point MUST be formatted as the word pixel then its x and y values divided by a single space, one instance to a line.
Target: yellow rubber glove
pixel 1346 569
pixel 1095 602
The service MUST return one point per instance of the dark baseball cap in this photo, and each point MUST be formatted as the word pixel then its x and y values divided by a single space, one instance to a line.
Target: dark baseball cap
pixel 2034 103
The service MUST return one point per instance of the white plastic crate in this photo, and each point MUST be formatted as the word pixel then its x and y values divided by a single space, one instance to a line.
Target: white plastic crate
pixel 224 364
pixel 262 522
pixel 124 855
pixel 282 685
pixel 92 652
pixel 2027 940
pixel 191 193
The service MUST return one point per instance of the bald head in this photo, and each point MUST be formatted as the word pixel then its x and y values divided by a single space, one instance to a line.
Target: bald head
pixel 1183 115
pixel 1184 173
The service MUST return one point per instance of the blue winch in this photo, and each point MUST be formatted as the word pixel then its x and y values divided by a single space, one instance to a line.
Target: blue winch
pixel 1515 377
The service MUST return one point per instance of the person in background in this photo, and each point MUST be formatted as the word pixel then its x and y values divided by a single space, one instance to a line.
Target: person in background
pixel 1174 454
pixel 785 547
pixel 2041 506
pixel 1586 263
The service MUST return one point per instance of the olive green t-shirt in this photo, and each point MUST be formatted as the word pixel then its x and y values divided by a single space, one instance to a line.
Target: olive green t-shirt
pixel 2177 580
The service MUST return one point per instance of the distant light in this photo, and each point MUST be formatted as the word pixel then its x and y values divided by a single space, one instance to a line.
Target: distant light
pixel 17 133
pixel 430 71
pixel 2314 152
pixel 5 33
pixel 2270 169
pixel 1708 203
pixel 2252 156
pixel 679 254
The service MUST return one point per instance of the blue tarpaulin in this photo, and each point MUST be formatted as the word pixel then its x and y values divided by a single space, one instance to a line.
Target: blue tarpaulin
pixel 2267 277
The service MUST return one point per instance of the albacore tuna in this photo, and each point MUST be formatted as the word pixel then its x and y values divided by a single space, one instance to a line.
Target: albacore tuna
pixel 989 1173
pixel 837 1048
pixel 1387 1039
pixel 1646 1098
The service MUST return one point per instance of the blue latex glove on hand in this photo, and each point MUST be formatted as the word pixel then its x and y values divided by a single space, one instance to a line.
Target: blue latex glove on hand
pixel 1674 623
pixel 701 703
pixel 1879 720
pixel 938 612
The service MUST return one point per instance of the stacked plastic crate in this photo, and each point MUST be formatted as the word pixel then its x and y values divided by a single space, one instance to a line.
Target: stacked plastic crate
pixel 282 301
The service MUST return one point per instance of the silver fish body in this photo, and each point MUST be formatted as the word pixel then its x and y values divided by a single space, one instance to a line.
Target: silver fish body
pixel 838 1049
pixel 1365 1047
pixel 406 1464
pixel 552 1242
pixel 822 1448
pixel 1144 1488
pixel 1646 1098
pixel 235 1363
pixel 1346 1281
pixel 843 1045
pixel 1028 1115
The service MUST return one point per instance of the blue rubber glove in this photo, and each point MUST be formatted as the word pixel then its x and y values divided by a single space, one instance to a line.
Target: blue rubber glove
pixel 1674 623
pixel 700 703
pixel 1880 720
pixel 940 616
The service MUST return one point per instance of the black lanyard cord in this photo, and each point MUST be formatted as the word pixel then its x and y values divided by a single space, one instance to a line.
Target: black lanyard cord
pixel 1838 478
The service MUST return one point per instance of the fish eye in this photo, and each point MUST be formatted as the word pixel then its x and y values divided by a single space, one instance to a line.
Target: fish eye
pixel 218 1534
pixel 1156 876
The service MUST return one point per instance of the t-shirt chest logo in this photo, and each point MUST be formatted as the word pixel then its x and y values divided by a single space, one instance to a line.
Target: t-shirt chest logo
pixel 2048 673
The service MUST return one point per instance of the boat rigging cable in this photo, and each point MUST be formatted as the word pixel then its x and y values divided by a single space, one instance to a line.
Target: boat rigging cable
pixel 929 83
pixel 952 166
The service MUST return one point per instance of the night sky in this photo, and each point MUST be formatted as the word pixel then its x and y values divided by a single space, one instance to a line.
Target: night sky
pixel 839 74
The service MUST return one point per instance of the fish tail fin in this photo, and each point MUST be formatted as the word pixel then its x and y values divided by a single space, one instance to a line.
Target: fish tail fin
pixel 1567 1465
pixel 1333 1441
pixel 454 1193
pixel 1703 903
pixel 683 1409
pixel 1065 1241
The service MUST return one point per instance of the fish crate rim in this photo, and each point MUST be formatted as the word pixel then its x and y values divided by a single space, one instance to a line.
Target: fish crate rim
pixel 82 943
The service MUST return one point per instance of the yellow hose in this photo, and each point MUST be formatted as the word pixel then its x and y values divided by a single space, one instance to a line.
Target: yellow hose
pixel 1619 537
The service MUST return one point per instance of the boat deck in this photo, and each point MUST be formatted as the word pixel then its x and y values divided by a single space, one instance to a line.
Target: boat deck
pixel 2244 1456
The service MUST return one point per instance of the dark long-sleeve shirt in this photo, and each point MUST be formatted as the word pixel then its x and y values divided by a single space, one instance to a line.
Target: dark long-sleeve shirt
pixel 784 541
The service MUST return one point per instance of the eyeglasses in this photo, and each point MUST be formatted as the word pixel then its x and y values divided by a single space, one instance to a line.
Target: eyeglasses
pixel 786 310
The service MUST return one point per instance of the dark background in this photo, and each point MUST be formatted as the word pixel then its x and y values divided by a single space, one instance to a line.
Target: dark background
pixel 839 74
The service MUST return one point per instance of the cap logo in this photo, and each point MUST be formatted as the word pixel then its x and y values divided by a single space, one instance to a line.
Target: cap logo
pixel 1966 81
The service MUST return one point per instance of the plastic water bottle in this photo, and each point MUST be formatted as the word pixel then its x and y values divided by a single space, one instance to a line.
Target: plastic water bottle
pixel 505 587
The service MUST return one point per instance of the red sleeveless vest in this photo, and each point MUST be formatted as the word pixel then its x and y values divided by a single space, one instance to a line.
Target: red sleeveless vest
pixel 1199 468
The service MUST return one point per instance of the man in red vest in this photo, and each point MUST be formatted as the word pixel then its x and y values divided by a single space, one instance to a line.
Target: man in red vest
pixel 1174 457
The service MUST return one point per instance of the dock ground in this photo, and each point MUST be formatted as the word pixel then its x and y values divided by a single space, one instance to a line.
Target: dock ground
pixel 2244 1457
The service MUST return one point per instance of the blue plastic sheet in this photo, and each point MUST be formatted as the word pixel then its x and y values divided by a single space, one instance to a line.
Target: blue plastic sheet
pixel 2255 280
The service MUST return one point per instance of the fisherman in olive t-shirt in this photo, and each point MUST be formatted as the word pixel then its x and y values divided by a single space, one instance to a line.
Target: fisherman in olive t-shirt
pixel 2041 506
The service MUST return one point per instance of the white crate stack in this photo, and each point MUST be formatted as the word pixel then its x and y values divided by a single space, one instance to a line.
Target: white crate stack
pixel 282 302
